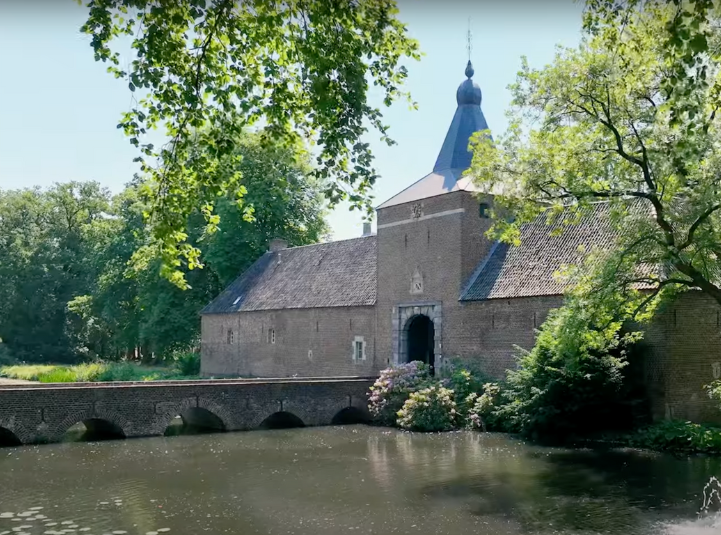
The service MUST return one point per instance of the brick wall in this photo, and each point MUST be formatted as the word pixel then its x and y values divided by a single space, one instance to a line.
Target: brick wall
pixel 313 342
pixel 487 332
pixel 44 414
pixel 684 354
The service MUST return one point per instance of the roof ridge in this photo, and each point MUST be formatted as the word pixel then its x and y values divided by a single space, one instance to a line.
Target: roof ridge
pixel 322 243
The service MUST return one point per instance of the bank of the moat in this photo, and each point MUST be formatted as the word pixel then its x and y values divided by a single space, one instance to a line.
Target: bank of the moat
pixel 349 479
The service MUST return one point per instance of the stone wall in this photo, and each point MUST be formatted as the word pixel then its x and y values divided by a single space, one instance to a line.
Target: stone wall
pixel 314 342
pixel 44 413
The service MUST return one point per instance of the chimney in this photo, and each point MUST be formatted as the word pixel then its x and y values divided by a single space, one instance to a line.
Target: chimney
pixel 278 244
pixel 366 228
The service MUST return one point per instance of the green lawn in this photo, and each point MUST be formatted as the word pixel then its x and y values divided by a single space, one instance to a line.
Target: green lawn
pixel 101 372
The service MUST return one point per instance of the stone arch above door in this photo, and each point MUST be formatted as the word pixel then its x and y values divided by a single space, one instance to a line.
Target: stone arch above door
pixel 404 312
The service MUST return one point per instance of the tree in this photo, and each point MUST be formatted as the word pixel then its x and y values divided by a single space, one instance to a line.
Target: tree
pixel 142 310
pixel 49 244
pixel 205 69
pixel 630 118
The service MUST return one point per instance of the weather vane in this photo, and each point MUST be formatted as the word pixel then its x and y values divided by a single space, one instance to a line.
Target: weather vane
pixel 469 44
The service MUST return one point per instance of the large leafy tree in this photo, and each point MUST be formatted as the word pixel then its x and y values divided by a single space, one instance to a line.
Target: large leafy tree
pixel 299 68
pixel 49 245
pixel 630 117
pixel 142 312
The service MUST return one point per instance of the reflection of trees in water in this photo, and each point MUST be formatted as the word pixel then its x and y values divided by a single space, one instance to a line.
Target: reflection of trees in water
pixel 614 492
pixel 400 456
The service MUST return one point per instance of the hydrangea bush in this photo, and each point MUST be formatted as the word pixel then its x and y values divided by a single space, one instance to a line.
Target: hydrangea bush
pixel 392 388
pixel 481 407
pixel 430 409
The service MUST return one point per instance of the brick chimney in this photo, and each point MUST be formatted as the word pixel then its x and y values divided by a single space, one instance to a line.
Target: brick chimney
pixel 366 228
pixel 278 244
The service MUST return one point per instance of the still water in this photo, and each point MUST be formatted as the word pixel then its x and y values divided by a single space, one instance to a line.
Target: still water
pixel 354 480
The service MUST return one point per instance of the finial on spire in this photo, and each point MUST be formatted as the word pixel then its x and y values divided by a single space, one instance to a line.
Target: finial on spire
pixel 469 40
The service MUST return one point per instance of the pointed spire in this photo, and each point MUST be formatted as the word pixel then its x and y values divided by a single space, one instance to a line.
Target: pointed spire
pixel 468 119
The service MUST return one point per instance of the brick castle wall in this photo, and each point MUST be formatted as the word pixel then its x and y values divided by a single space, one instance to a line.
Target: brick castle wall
pixel 314 342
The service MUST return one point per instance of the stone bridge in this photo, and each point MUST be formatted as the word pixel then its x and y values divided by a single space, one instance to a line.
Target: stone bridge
pixel 35 413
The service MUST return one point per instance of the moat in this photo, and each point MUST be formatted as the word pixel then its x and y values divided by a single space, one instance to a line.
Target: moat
pixel 350 479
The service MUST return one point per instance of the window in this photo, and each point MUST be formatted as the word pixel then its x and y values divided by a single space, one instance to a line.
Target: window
pixel 271 336
pixel 483 210
pixel 359 348
pixel 231 336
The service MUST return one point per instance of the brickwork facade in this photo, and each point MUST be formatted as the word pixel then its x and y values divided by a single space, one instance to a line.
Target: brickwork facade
pixel 311 342
pixel 682 354
pixel 441 240
pixel 45 413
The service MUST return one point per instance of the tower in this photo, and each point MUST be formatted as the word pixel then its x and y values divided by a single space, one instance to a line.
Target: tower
pixel 430 239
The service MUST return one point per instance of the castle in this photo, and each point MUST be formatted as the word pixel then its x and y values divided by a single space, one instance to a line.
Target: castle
pixel 430 286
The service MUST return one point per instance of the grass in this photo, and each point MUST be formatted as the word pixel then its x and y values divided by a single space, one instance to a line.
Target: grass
pixel 93 372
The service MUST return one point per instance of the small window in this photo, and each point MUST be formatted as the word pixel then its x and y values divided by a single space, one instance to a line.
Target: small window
pixel 359 349
pixel 483 210
pixel 271 336
pixel 231 336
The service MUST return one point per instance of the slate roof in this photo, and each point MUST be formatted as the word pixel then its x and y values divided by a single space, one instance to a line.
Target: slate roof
pixel 528 270
pixel 454 156
pixel 335 274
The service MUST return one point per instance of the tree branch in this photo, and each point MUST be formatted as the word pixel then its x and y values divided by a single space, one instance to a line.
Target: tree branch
pixel 696 224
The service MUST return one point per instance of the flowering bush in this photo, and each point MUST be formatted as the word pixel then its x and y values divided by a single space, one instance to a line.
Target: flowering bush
pixel 482 406
pixel 392 388
pixel 430 409
pixel 465 380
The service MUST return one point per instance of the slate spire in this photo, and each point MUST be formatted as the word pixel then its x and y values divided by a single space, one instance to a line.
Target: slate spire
pixel 468 119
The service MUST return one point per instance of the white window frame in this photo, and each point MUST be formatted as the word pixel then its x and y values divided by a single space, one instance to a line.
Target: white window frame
pixel 359 340
pixel 230 337
pixel 271 336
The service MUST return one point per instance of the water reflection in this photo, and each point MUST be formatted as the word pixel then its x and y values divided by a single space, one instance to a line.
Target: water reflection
pixel 348 479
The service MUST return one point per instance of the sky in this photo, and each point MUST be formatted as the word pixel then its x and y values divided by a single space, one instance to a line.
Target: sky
pixel 59 108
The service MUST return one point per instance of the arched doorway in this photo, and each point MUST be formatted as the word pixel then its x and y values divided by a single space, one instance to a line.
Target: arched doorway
pixel 421 340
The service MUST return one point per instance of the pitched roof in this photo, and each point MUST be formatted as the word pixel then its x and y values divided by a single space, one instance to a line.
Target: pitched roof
pixel 454 156
pixel 436 183
pixel 528 270
pixel 335 274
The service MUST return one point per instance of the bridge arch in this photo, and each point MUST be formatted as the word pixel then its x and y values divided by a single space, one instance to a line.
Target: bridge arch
pixel 8 438
pixel 195 420
pixel 93 430
pixel 98 424
pixel 281 420
pixel 351 415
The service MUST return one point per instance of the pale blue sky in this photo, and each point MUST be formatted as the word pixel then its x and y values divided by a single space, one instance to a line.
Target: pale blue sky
pixel 59 109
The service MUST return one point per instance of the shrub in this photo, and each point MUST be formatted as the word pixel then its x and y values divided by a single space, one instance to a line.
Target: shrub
pixel 680 437
pixel 714 390
pixel 392 388
pixel 123 371
pixel 467 383
pixel 571 382
pixel 430 409
pixel 188 363
pixel 57 375
pixel 481 414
